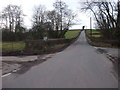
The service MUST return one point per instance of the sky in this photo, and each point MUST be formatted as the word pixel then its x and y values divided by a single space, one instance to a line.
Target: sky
pixel 27 6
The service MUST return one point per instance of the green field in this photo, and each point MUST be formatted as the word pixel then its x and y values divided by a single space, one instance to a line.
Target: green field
pixel 12 46
pixel 71 34
pixel 95 33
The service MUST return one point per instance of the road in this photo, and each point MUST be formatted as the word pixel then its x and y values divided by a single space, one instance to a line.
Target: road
pixel 78 66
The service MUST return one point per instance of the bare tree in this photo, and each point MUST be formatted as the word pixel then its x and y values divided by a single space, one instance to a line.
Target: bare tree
pixel 69 17
pixel 118 14
pixel 54 18
pixel 39 16
pixel 12 15
pixel 104 13
pixel 2 22
pixel 39 21
pixel 65 16
pixel 107 15
pixel 60 8
pixel 58 19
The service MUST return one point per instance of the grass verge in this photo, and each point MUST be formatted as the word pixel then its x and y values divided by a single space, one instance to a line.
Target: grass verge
pixel 98 44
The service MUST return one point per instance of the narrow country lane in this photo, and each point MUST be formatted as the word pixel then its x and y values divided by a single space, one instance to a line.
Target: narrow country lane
pixel 78 66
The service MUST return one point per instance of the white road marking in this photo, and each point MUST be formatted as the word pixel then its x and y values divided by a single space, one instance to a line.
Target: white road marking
pixel 6 75
pixel 10 73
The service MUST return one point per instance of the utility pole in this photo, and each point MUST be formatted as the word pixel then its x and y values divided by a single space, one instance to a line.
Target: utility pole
pixel 91 26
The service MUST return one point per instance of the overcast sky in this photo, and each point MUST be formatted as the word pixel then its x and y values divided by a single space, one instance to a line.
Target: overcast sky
pixel 28 7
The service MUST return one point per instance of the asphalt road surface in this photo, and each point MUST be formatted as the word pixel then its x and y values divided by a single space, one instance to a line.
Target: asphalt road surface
pixel 78 66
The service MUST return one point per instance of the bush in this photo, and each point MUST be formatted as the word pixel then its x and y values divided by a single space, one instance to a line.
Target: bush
pixel 8 35
pixel 113 33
